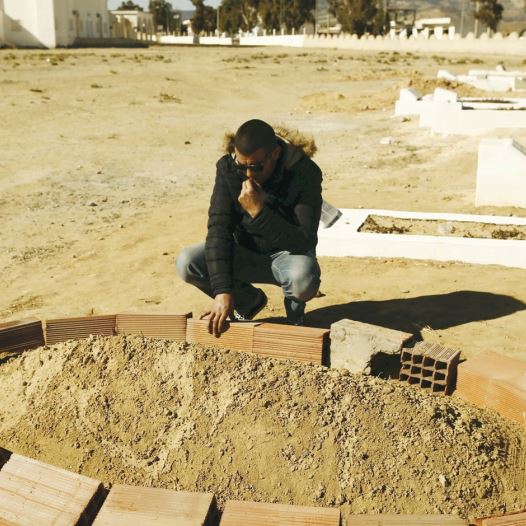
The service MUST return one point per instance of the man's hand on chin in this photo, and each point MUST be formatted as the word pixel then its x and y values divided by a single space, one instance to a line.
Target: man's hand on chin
pixel 222 308
pixel 252 197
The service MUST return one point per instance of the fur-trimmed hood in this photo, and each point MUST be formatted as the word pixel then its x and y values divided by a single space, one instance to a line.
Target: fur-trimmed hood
pixel 296 142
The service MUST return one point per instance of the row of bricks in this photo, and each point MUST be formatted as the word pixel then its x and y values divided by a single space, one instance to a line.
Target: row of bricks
pixel 32 492
pixel 302 344
pixel 488 380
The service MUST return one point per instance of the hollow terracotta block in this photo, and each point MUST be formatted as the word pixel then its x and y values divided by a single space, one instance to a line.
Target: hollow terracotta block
pixel 430 365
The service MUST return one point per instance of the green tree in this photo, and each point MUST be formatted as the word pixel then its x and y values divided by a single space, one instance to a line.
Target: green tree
pixel 205 17
pixel 198 20
pixel 210 19
pixel 129 6
pixel 291 14
pixel 162 14
pixel 298 12
pixel 489 12
pixel 355 16
pixel 238 14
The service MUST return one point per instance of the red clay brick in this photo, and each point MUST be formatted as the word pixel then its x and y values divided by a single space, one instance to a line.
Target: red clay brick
pixel 237 336
pixel 494 381
pixel 516 518
pixel 303 344
pixel 166 326
pixel 59 330
pixel 431 365
pixel 33 493
pixel 134 506
pixel 18 336
pixel 239 513
pixel 405 520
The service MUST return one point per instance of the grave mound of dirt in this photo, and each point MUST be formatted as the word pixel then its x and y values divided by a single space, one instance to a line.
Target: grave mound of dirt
pixel 169 414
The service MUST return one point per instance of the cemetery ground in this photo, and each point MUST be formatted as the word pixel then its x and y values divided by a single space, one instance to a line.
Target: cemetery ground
pixel 108 161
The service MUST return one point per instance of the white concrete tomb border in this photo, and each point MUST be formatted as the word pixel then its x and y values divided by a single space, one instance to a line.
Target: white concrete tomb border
pixel 343 239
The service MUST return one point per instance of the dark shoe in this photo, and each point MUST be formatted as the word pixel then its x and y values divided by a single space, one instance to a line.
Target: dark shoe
pixel 297 323
pixel 295 312
pixel 252 312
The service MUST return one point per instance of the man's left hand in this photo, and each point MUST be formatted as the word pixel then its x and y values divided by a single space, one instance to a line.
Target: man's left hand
pixel 252 197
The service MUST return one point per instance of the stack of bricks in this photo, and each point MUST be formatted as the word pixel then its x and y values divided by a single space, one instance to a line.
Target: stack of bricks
pixel 405 520
pixel 163 507
pixel 18 336
pixel 33 493
pixel 517 518
pixel 431 366
pixel 238 513
pixel 303 344
pixel 491 380
pixel 166 326
pixel 60 330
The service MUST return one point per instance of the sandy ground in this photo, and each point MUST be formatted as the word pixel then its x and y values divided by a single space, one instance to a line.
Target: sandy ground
pixel 106 171
pixel 108 158
pixel 174 415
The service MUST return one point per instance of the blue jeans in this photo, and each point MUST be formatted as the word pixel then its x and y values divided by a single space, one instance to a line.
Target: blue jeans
pixel 298 275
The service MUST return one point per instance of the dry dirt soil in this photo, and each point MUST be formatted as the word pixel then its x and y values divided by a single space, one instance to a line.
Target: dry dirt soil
pixel 108 158
pixel 154 413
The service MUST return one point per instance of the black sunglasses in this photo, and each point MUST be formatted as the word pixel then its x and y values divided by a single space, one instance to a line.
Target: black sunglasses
pixel 256 167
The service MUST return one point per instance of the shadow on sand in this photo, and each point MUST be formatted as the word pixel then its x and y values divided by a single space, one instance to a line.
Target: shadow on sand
pixel 437 311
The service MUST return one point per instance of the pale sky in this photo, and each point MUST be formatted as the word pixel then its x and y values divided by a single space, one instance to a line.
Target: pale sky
pixel 177 4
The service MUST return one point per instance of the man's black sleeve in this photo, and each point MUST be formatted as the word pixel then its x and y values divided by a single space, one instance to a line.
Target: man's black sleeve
pixel 300 236
pixel 219 240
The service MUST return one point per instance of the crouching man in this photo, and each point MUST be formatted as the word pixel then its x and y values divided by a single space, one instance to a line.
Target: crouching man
pixel 262 228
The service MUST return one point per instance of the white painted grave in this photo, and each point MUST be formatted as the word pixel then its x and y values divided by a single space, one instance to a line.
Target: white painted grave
pixel 501 173
pixel 344 239
pixel 447 114
pixel 489 80
pixel 444 112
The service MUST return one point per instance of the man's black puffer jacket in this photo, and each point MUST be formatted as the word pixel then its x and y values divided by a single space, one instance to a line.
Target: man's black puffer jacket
pixel 289 219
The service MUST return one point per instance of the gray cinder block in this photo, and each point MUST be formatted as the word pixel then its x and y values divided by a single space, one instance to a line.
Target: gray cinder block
pixel 354 344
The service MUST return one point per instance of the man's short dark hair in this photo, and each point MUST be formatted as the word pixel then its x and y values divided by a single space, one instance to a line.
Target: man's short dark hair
pixel 253 135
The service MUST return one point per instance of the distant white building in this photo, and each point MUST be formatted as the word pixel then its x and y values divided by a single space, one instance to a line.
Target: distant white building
pixel 52 23
pixel 132 24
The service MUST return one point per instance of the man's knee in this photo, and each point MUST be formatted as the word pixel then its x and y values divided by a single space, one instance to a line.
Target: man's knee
pixel 305 287
pixel 187 263
pixel 303 279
